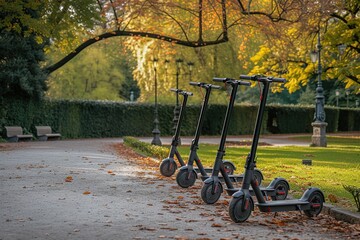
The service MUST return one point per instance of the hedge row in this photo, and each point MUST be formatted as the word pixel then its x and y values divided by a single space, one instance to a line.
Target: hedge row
pixel 86 119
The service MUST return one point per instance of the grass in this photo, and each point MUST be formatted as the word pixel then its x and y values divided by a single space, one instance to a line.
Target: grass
pixel 332 167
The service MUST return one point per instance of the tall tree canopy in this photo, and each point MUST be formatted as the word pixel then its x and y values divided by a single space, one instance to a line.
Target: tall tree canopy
pixel 277 35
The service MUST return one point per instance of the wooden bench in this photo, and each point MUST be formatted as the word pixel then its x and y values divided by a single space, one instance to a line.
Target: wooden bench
pixel 43 133
pixel 16 133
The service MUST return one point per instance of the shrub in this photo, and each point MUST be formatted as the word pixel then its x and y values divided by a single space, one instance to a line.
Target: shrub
pixel 147 148
pixel 355 192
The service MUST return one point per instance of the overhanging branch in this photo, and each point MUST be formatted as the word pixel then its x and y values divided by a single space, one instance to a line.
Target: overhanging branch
pixel 117 33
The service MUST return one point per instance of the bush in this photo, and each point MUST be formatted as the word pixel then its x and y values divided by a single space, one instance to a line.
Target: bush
pixel 355 192
pixel 96 119
pixel 349 120
pixel 146 148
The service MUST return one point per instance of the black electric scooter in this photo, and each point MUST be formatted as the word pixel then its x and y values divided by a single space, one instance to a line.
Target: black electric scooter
pixel 168 165
pixel 242 203
pixel 187 174
pixel 212 188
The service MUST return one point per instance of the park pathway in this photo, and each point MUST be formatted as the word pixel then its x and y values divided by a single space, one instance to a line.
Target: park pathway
pixel 97 189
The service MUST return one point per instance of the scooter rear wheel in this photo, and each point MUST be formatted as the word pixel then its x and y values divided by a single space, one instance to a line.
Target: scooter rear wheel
pixel 211 193
pixel 258 176
pixel 168 167
pixel 185 179
pixel 316 201
pixel 281 189
pixel 239 210
pixel 229 168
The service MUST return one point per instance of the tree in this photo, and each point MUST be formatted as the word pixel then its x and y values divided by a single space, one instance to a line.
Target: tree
pixel 97 73
pixel 188 23
pixel 20 56
pixel 285 52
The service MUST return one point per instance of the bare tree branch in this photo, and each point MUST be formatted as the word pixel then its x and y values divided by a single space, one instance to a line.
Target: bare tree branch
pixel 117 33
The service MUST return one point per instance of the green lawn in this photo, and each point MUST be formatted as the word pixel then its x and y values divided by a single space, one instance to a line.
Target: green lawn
pixel 332 167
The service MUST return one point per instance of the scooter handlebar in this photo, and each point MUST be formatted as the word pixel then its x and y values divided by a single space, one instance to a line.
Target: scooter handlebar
pixel 202 84
pixel 262 78
pixel 182 92
pixel 228 80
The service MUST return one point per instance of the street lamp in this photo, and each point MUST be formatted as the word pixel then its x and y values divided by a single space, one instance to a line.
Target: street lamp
pixel 319 124
pixel 166 66
pixel 337 93
pixel 178 62
pixel 156 132
pixel 347 92
pixel 190 65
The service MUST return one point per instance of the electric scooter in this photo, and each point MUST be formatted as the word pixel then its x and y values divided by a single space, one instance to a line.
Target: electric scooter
pixel 242 203
pixel 187 174
pixel 168 165
pixel 212 188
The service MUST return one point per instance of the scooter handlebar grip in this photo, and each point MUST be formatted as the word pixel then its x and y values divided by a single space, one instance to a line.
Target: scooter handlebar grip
pixel 247 77
pixel 220 79
pixel 274 79
pixel 244 83
pixel 195 83
pixel 215 86
pixel 175 90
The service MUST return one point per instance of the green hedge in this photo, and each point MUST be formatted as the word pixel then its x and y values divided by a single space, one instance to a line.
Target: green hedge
pixel 349 120
pixel 298 119
pixel 93 119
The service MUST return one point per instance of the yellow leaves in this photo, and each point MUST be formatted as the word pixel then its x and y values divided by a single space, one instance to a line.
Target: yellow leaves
pixel 262 54
pixel 69 179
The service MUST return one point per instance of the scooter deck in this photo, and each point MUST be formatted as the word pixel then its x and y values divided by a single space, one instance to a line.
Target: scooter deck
pixel 207 170
pixel 271 192
pixel 233 178
pixel 284 205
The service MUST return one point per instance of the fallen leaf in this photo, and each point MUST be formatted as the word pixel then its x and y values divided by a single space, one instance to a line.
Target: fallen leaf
pixel 216 225
pixel 69 179
pixel 86 193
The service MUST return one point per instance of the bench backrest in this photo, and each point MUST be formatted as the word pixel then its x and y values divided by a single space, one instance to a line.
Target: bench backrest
pixel 42 130
pixel 13 131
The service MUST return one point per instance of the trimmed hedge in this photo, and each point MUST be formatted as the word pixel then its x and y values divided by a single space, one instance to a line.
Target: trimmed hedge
pixel 349 120
pixel 94 119
pixel 158 152
pixel 296 119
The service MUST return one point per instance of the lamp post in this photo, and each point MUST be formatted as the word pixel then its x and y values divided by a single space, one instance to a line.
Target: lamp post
pixel 319 125
pixel 347 92
pixel 337 93
pixel 178 62
pixel 190 65
pixel 156 132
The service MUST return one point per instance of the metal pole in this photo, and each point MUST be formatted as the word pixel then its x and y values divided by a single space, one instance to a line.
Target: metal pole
pixel 156 132
pixel 319 109
pixel 319 125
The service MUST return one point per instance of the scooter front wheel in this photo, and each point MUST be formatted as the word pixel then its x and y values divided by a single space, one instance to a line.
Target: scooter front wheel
pixel 185 179
pixel 240 209
pixel 168 167
pixel 211 192
pixel 316 201
pixel 281 190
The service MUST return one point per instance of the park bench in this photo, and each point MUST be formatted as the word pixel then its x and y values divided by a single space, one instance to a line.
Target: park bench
pixel 16 133
pixel 43 133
